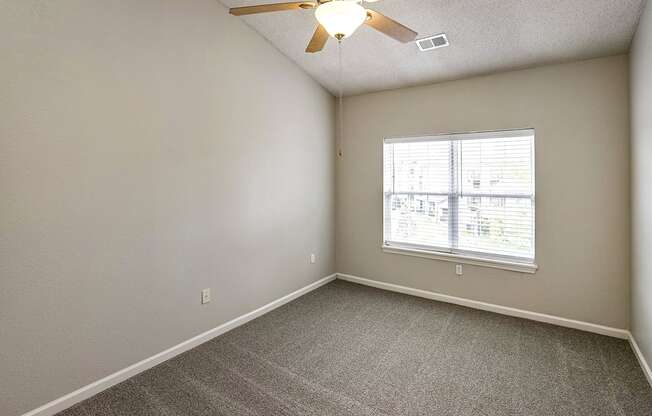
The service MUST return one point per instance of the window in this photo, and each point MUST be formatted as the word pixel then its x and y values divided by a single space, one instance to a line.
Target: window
pixel 468 195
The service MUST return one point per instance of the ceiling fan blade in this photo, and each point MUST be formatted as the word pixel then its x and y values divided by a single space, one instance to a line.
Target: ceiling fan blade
pixel 318 40
pixel 274 7
pixel 390 27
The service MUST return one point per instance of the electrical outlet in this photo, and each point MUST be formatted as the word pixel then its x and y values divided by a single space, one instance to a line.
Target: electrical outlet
pixel 458 270
pixel 313 259
pixel 205 296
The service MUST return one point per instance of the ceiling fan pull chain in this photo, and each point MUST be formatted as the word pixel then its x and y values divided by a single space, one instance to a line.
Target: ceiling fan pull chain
pixel 340 105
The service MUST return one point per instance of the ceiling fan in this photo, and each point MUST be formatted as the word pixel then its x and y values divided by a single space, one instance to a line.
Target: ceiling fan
pixel 338 18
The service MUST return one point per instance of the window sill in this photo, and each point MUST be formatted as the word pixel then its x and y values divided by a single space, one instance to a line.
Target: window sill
pixel 457 258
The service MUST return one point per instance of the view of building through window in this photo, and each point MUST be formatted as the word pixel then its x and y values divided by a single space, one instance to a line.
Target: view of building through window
pixel 468 193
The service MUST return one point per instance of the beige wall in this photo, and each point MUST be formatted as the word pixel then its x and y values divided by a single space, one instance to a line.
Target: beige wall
pixel 581 116
pixel 148 149
pixel 641 107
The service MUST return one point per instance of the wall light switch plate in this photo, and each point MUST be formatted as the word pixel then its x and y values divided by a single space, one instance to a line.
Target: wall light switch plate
pixel 205 296
pixel 458 270
pixel 313 259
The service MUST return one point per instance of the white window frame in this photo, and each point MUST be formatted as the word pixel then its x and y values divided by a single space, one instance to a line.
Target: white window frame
pixel 453 254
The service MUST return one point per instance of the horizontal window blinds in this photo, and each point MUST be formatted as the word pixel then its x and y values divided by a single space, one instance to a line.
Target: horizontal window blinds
pixel 468 194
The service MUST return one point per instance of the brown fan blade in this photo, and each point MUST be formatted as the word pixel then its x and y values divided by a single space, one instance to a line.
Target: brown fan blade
pixel 390 27
pixel 318 40
pixel 274 7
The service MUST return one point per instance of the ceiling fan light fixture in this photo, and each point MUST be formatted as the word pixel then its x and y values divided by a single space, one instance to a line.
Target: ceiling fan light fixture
pixel 340 18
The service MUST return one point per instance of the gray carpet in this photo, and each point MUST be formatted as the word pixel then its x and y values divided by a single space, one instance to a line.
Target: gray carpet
pixel 346 349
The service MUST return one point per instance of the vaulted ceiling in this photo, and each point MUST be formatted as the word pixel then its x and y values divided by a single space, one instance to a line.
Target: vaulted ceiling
pixel 486 36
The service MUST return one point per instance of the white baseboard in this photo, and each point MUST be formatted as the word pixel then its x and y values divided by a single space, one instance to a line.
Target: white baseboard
pixel 504 310
pixel 641 359
pixel 92 389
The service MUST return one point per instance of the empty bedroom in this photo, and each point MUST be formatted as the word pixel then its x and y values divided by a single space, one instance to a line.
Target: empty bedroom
pixel 325 207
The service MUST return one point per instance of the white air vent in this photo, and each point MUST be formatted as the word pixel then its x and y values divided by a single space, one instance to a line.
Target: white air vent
pixel 432 42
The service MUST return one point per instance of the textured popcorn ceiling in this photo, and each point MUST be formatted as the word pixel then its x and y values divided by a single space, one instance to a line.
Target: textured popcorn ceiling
pixel 486 36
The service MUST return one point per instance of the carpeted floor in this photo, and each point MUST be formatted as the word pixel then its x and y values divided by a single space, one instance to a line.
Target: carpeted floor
pixel 346 349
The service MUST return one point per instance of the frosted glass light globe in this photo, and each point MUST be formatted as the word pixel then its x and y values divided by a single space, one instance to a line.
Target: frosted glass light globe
pixel 340 18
